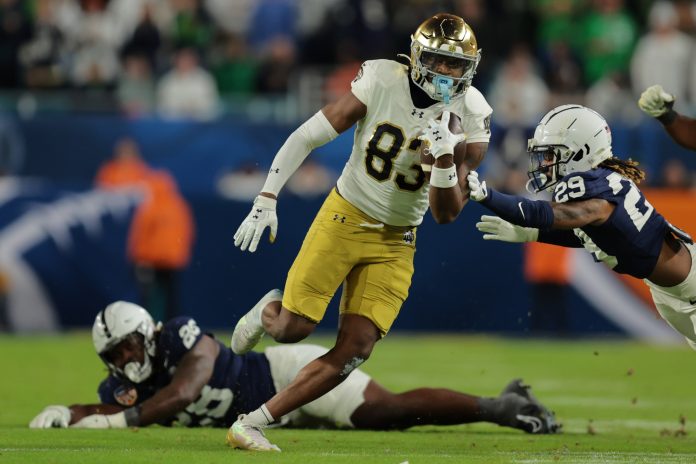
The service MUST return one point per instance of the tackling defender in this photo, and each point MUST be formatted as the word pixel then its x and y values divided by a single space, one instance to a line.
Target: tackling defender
pixel 596 205
pixel 175 373
pixel 657 103
pixel 364 236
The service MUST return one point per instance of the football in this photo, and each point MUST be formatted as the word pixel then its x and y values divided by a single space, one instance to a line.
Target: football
pixel 427 160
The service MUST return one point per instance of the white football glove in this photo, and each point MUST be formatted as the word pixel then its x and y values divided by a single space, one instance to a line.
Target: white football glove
pixel 655 101
pixel 262 215
pixel 51 416
pixel 102 421
pixel 439 138
pixel 477 190
pixel 495 228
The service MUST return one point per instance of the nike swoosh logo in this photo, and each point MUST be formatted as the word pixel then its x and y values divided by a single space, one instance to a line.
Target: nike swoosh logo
pixel 519 205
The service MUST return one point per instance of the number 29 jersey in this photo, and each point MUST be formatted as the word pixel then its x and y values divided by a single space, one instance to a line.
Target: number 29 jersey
pixel 383 176
pixel 630 240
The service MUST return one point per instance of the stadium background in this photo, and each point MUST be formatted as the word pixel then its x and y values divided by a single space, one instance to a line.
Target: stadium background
pixel 77 77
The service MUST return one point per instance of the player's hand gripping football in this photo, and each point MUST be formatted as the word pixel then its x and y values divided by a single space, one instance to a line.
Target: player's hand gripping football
pixel 262 215
pixel 495 228
pixel 51 416
pixel 655 101
pixel 477 190
pixel 439 137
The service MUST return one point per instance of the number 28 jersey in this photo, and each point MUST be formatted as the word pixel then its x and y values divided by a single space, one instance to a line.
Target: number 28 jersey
pixel 630 240
pixel 383 176
pixel 238 383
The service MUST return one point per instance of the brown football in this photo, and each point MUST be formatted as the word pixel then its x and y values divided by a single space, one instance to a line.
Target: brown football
pixel 455 126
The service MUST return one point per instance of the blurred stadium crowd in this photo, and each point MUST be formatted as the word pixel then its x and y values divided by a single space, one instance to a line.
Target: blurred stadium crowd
pixel 538 48
pixel 283 59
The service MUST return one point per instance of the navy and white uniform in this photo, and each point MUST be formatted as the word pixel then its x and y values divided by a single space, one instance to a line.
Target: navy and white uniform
pixel 239 383
pixel 630 241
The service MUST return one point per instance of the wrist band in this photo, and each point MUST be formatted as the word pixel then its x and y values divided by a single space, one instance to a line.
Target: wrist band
pixel 668 118
pixel 265 202
pixel 444 177
pixel 132 416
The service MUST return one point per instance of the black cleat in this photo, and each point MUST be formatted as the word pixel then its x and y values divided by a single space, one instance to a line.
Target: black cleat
pixel 525 412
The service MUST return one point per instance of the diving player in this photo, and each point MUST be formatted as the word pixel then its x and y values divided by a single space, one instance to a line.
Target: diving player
pixel 364 236
pixel 596 205
pixel 175 373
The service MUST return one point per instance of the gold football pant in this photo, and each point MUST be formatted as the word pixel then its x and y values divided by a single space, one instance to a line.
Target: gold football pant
pixel 375 265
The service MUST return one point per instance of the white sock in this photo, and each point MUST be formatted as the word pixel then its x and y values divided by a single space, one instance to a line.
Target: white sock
pixel 260 417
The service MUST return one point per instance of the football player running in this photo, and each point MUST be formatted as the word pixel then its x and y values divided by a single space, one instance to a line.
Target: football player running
pixel 657 103
pixel 364 236
pixel 596 205
pixel 174 373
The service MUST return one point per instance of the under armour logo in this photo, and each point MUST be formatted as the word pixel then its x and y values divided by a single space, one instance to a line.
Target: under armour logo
pixel 276 170
pixel 451 176
pixel 339 218
pixel 419 113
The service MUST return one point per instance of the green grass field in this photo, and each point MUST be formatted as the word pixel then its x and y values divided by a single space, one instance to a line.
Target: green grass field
pixel 619 402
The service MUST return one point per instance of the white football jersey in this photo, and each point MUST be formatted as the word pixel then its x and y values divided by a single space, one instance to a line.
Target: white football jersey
pixel 383 176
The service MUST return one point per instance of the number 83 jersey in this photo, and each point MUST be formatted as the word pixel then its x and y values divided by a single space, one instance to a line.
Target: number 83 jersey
pixel 383 176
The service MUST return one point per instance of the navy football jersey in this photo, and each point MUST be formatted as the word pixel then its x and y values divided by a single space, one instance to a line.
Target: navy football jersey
pixel 239 383
pixel 631 239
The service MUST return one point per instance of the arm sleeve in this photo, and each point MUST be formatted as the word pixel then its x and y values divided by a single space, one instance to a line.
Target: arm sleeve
pixel 315 132
pixel 519 210
pixel 564 238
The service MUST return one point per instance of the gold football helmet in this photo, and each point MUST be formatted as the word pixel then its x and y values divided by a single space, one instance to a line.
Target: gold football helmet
pixel 444 38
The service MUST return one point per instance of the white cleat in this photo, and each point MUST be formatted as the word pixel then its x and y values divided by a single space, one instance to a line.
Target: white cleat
pixel 249 329
pixel 248 437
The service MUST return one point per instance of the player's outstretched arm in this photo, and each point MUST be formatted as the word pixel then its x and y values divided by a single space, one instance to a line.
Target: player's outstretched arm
pixel 495 228
pixel 543 215
pixel 657 103
pixel 59 416
pixel 318 130
pixel 192 373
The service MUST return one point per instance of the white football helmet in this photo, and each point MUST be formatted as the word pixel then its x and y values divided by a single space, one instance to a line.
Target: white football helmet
pixel 569 138
pixel 446 37
pixel 117 322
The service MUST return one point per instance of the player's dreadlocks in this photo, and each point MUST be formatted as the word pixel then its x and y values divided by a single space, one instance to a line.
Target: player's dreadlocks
pixel 627 168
